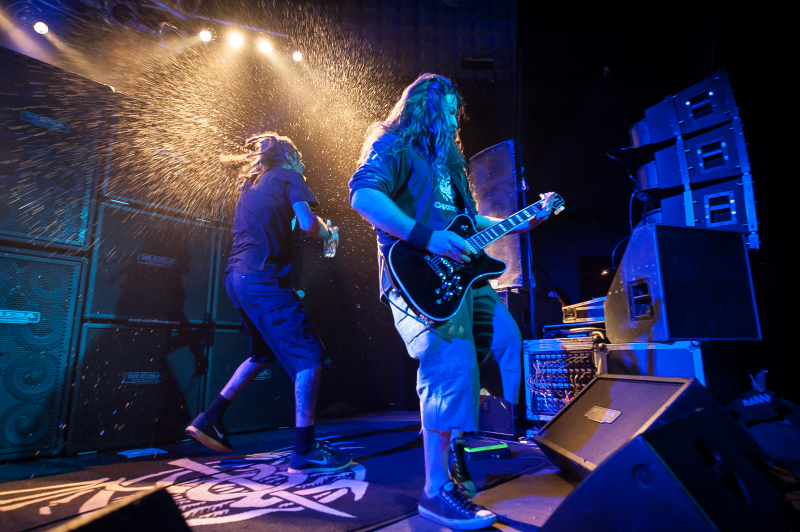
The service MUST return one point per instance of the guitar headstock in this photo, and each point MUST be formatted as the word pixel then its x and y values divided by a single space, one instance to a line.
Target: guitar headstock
pixel 558 202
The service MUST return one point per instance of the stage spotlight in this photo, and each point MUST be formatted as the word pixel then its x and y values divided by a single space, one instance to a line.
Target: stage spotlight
pixel 297 56
pixel 205 35
pixel 264 46
pixel 41 28
pixel 235 39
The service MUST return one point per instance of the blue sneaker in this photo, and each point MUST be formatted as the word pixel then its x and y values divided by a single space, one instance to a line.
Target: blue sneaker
pixel 209 434
pixel 450 508
pixel 323 458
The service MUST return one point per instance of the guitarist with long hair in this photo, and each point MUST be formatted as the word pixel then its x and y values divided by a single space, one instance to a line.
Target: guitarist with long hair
pixel 411 183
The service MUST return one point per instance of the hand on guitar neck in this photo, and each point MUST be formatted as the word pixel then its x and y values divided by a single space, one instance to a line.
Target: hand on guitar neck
pixel 452 246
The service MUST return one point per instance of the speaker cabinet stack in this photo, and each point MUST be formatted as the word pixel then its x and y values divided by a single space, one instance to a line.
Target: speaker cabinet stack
pixel 53 139
pixel 134 199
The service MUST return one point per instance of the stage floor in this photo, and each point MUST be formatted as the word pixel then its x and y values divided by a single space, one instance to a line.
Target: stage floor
pixel 250 489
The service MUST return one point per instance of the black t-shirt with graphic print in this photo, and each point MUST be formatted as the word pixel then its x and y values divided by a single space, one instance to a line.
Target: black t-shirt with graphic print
pixel 425 192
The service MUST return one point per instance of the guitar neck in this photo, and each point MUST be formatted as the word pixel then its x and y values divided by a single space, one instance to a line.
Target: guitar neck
pixel 483 238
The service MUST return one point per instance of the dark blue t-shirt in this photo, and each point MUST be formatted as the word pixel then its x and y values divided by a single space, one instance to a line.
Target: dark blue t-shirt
pixel 262 223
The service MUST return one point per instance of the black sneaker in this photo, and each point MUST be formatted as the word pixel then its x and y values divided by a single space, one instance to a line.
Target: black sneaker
pixel 450 508
pixel 457 465
pixel 323 458
pixel 209 434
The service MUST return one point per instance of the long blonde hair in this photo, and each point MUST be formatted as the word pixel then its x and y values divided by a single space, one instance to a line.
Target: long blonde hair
pixel 269 150
pixel 420 121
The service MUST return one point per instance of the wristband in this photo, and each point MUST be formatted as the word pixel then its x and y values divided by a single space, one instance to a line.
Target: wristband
pixel 420 236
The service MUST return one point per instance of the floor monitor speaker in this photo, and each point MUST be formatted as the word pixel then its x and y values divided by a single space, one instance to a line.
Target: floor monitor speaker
pixel 683 475
pixel 614 409
pixel 149 510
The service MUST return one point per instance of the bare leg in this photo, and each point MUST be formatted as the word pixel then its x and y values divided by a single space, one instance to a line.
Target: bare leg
pixel 436 446
pixel 242 377
pixel 306 391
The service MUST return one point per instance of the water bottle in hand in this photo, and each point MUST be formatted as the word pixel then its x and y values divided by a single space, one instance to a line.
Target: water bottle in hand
pixel 332 242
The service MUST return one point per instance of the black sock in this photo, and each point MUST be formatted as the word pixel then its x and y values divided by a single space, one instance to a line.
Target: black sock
pixel 217 409
pixel 303 439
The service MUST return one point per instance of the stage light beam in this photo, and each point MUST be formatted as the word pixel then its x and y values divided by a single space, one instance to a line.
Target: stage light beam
pixel 235 39
pixel 297 56
pixel 41 28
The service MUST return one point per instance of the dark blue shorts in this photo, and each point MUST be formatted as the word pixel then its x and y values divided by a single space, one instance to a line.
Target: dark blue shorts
pixel 276 321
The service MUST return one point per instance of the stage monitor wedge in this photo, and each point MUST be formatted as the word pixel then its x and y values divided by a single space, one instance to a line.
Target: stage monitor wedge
pixel 614 409
pixel 683 475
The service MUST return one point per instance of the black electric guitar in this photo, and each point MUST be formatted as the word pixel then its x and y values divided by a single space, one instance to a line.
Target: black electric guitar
pixel 435 285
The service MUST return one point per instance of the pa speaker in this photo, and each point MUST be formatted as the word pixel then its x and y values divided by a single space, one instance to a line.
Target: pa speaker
pixel 498 189
pixel 52 139
pixel 677 283
pixel 38 299
pixel 149 510
pixel 684 475
pixel 135 386
pixel 267 403
pixel 150 268
pixel 614 409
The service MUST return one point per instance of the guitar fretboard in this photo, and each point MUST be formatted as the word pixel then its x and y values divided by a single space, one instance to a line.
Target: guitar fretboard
pixel 487 236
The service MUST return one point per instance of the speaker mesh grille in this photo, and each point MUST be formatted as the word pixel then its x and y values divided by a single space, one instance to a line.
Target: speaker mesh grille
pixel 37 308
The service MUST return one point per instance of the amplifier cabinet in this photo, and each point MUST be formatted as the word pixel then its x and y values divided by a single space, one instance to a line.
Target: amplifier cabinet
pixel 53 128
pixel 135 387
pixel 39 297
pixel 150 268
pixel 555 371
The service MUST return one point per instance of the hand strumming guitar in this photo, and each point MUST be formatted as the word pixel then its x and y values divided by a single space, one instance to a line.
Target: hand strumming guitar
pixel 450 245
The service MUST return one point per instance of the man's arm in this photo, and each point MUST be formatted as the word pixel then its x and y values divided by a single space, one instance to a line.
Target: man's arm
pixel 379 210
pixel 311 223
